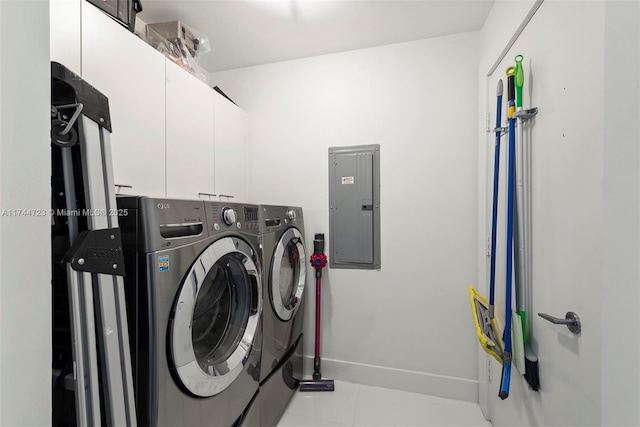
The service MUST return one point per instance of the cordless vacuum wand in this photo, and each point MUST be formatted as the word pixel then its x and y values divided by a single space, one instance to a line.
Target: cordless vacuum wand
pixel 318 261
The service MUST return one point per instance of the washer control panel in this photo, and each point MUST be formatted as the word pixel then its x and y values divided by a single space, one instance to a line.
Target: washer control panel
pixel 229 216
pixel 225 216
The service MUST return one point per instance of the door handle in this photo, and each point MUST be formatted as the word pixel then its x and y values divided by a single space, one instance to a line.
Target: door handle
pixel 571 320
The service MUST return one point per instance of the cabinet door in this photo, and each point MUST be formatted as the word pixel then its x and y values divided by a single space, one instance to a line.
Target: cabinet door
pixel 132 75
pixel 190 133
pixel 232 149
pixel 64 31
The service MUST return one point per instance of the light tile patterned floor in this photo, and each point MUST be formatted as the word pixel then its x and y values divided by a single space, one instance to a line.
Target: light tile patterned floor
pixel 356 405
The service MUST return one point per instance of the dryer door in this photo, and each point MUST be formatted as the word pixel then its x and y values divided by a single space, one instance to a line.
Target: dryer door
pixel 288 274
pixel 215 317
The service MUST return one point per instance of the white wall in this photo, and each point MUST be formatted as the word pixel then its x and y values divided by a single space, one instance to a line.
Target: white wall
pixel 407 326
pixel 621 319
pixel 25 171
pixel 582 60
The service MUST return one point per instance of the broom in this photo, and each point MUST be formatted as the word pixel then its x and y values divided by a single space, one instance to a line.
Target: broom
pixel 531 360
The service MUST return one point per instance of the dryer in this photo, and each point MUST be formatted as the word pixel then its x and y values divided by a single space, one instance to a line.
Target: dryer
pixel 194 301
pixel 284 265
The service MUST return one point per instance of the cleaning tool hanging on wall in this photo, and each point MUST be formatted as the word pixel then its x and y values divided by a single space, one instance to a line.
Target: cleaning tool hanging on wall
pixel 494 209
pixel 486 326
pixel 519 238
pixel 318 261
pixel 506 365
pixel 483 313
pixel 523 268
pixel 518 323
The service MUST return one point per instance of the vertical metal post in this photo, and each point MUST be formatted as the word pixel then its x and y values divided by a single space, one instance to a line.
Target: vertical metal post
pixel 83 338
pixel 110 313
pixel 85 358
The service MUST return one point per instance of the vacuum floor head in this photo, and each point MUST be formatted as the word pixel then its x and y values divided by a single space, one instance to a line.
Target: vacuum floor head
pixel 317 385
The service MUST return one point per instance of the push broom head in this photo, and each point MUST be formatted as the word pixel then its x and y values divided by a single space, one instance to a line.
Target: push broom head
pixel 486 326
pixel 531 368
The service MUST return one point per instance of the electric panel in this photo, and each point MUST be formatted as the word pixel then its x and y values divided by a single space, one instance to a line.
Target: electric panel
pixel 354 207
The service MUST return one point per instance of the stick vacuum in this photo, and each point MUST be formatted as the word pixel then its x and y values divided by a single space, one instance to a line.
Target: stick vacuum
pixel 318 261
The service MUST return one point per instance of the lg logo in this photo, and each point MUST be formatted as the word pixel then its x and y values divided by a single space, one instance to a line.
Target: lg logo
pixel 164 205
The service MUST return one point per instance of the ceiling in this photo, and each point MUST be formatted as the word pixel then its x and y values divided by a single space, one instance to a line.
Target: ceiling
pixel 244 33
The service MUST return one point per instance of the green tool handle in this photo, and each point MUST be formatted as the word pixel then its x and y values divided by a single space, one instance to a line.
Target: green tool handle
pixel 519 80
pixel 520 289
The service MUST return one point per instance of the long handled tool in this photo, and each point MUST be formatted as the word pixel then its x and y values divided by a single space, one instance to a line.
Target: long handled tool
pixel 506 365
pixel 523 268
pixel 520 212
pixel 483 315
pixel 494 210
pixel 519 239
pixel 318 261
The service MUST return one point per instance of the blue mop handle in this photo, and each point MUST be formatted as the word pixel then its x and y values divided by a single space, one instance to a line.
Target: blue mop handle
pixel 506 366
pixel 506 379
pixel 494 213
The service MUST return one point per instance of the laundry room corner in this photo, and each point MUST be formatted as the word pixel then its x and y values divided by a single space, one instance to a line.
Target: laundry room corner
pixel 175 248
pixel 415 99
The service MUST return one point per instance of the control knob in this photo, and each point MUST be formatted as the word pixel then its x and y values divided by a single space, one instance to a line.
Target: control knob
pixel 291 215
pixel 229 216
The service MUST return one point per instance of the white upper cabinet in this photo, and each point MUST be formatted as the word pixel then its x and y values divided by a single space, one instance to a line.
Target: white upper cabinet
pixel 190 135
pixel 64 33
pixel 132 75
pixel 173 136
pixel 232 150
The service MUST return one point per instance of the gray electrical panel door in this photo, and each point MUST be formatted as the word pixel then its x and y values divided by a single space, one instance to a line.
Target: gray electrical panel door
pixel 354 205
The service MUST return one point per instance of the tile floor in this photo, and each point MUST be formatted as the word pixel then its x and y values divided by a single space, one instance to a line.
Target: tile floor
pixel 357 405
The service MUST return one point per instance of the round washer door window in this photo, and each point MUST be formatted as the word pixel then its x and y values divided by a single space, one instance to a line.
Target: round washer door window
pixel 215 317
pixel 288 274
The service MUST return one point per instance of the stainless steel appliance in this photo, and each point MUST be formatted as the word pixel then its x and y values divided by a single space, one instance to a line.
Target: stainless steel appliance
pixel 284 264
pixel 122 11
pixel 194 299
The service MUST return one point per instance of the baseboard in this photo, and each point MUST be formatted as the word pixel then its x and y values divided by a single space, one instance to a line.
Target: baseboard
pixel 397 379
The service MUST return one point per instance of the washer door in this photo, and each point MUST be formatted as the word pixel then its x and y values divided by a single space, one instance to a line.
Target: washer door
pixel 215 317
pixel 288 274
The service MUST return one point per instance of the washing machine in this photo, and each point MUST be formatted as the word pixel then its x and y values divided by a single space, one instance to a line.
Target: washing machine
pixel 284 265
pixel 194 301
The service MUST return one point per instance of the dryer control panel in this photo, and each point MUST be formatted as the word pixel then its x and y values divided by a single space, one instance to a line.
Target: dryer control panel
pixel 275 217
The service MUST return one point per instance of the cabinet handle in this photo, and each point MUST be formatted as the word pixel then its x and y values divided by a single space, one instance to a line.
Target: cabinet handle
pixel 120 186
pixel 210 195
pixel 571 320
pixel 225 195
